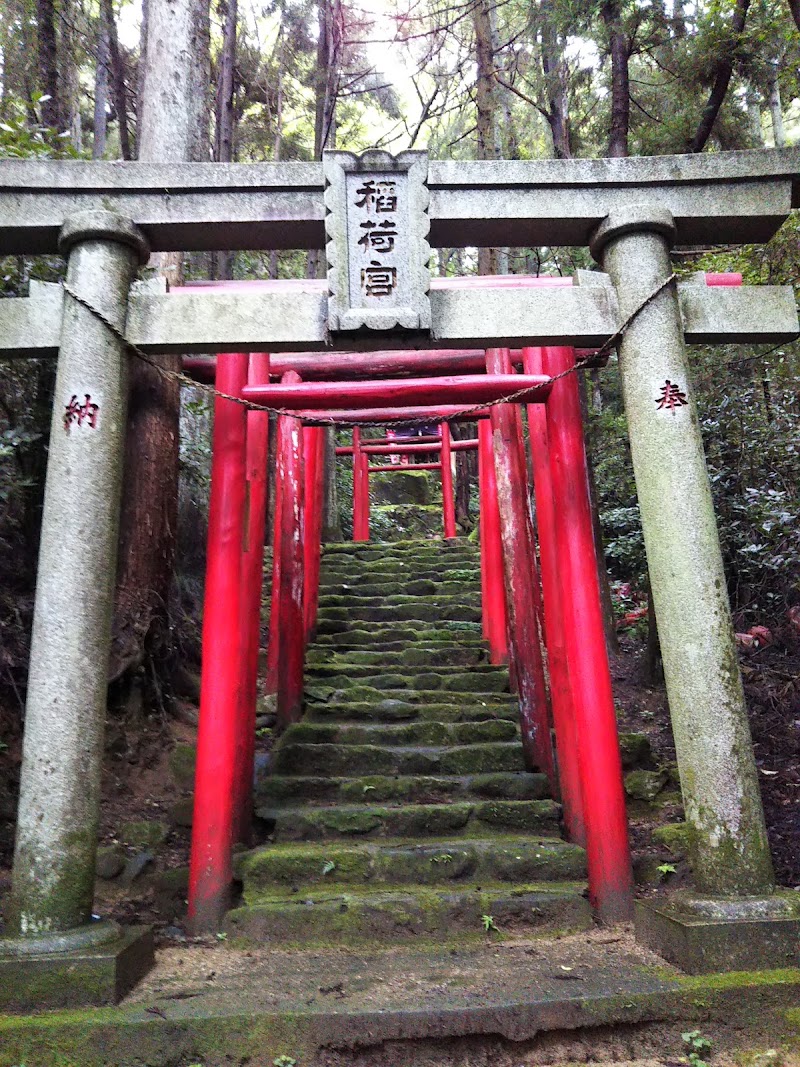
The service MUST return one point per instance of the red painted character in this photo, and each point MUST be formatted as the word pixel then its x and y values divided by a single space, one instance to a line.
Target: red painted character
pixel 75 412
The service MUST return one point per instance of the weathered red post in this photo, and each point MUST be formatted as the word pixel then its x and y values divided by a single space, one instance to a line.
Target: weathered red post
pixel 493 597
pixel 521 576
pixel 291 623
pixel 410 466
pixel 448 500
pixel 608 856
pixel 314 438
pixel 360 490
pixel 220 700
pixel 567 738
pixel 252 588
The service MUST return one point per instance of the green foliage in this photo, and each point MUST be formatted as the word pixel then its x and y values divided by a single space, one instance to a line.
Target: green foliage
pixel 697 1047
pixel 488 923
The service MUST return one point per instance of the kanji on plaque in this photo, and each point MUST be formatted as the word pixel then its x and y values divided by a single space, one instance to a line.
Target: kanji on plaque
pixel 379 236
pixel 77 414
pixel 671 397
pixel 377 196
pixel 377 249
pixel 378 280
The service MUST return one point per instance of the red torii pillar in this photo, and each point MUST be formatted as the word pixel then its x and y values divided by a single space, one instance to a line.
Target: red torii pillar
pixel 493 592
pixel 554 592
pixel 290 617
pixel 252 588
pixel 314 445
pixel 607 852
pixel 210 869
pixel 285 653
pixel 448 501
pixel 360 489
pixel 521 577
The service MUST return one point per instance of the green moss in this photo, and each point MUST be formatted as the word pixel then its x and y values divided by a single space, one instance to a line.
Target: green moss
pixel 181 762
pixel 144 833
pixel 634 750
pixel 675 836
pixel 644 785
pixel 475 759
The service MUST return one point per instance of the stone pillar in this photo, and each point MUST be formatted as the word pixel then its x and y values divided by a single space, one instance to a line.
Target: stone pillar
pixel 718 775
pixel 54 862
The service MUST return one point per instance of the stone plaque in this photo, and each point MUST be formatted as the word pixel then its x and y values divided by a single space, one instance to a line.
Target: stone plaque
pixel 377 250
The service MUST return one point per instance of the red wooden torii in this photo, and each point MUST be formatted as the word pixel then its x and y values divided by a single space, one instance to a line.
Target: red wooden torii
pixel 589 781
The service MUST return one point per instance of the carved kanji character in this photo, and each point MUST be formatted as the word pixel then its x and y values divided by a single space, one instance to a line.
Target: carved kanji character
pixel 671 397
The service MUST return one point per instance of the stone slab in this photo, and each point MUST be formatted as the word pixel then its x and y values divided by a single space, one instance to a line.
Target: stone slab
pixel 265 205
pixel 101 975
pixel 701 945
pixel 215 1005
pixel 295 318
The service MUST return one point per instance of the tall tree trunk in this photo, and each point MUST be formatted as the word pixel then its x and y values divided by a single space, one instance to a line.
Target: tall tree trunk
pixel 52 112
pixel 329 58
pixel 554 69
pixel 486 102
pixel 277 144
pixel 223 140
pixel 168 132
pixel 620 88
pixel 794 7
pixel 722 78
pixel 775 107
pixel 101 88
pixel 118 80
pixel 753 103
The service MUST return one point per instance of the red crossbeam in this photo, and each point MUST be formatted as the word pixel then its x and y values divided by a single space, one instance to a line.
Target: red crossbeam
pixel 406 467
pixel 464 389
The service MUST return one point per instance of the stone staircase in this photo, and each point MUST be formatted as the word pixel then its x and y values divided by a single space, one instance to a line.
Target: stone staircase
pixel 399 808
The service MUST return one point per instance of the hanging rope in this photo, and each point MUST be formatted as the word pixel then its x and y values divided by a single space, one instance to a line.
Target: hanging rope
pixel 185 379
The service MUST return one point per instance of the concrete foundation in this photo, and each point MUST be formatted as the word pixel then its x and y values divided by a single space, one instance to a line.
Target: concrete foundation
pixel 97 975
pixel 704 936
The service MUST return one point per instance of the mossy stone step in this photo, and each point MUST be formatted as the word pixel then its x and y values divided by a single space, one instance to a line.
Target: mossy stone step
pixel 342 760
pixel 426 688
pixel 413 733
pixel 357 603
pixel 341 674
pixel 501 858
pixel 454 819
pixel 417 912
pixel 417 654
pixel 385 637
pixel 389 711
pixel 274 790
pixel 383 590
pixel 423 611
pixel 467 574
pixel 421 552
pixel 410 544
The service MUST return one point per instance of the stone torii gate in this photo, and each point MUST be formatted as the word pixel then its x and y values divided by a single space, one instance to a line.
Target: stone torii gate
pixel 378 214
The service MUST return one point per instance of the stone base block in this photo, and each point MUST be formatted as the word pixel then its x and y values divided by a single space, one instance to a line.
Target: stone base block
pixel 102 974
pixel 702 936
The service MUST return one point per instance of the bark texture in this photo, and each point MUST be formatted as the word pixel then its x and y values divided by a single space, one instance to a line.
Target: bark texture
pixel 171 125
pixel 554 69
pixel 722 78
pixel 52 111
pixel 118 81
pixel 619 49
